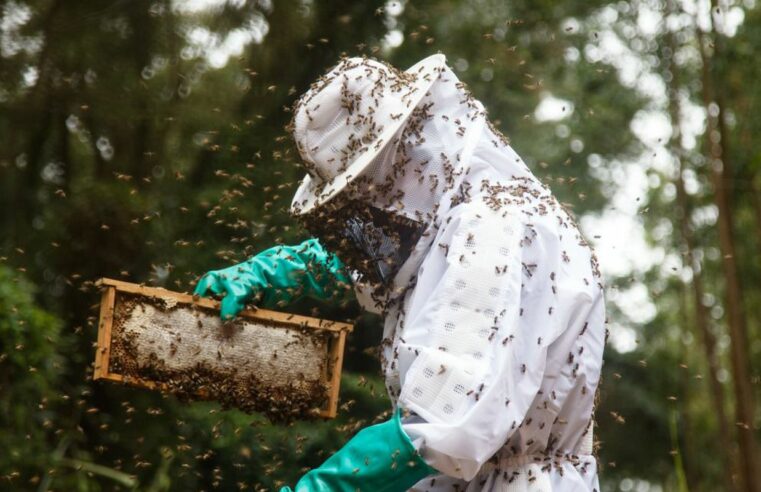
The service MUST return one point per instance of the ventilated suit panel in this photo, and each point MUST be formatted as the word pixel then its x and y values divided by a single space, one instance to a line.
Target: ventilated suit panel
pixel 460 341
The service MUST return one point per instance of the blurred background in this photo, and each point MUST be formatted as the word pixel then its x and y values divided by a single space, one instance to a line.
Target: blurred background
pixel 145 141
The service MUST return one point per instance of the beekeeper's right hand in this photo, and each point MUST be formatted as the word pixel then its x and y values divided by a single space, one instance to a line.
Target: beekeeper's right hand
pixel 276 277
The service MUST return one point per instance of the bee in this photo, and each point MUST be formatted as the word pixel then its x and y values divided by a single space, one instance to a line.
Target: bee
pixel 584 329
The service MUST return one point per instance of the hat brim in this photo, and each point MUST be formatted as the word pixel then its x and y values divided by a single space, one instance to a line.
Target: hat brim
pixel 311 194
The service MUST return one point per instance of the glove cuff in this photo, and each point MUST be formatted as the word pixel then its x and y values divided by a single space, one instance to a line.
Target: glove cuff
pixel 380 458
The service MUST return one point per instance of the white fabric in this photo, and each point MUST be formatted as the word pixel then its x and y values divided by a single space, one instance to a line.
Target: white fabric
pixel 420 169
pixel 346 118
pixel 495 329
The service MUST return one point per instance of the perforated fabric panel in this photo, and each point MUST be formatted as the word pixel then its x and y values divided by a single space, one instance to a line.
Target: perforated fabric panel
pixel 439 385
pixel 457 368
pixel 325 138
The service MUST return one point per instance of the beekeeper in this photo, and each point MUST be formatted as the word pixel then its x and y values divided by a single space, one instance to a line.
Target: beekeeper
pixel 492 299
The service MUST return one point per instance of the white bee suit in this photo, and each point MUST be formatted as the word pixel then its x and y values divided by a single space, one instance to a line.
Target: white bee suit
pixel 495 327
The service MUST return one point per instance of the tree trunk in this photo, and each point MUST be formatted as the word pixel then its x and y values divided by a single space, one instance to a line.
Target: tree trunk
pixel 755 196
pixel 706 335
pixel 692 473
pixel 683 214
pixel 719 168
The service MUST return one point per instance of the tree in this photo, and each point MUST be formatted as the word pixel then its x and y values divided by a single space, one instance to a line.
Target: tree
pixel 30 369
pixel 720 162
pixel 682 216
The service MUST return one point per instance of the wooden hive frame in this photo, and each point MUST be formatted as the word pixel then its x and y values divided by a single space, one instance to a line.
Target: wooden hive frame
pixel 111 290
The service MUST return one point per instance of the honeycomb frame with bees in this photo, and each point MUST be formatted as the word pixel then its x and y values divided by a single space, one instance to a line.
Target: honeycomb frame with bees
pixel 283 365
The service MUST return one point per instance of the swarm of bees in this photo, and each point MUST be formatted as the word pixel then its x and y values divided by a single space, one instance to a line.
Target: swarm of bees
pixel 143 362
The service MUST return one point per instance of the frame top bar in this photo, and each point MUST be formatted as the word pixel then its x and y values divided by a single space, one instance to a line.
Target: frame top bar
pixel 260 314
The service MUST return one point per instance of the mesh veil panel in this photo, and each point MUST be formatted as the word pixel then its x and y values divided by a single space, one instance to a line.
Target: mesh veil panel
pixel 369 240
pixel 326 137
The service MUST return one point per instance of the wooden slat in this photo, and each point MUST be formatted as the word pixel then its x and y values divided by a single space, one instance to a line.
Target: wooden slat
pixel 261 314
pixel 336 356
pixel 102 356
pixel 137 382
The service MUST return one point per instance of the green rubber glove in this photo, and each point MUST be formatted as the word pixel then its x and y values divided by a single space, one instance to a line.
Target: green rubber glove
pixel 281 275
pixel 380 458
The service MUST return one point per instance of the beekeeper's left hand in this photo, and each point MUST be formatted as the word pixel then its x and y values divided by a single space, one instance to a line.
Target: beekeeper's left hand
pixel 279 275
pixel 380 458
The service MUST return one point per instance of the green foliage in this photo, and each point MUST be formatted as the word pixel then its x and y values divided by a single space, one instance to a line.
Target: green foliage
pixel 30 369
